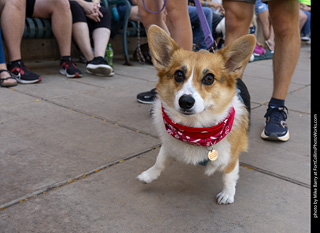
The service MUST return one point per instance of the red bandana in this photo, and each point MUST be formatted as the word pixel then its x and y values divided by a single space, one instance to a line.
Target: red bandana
pixel 199 136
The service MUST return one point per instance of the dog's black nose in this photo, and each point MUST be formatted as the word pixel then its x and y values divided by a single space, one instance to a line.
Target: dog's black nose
pixel 186 102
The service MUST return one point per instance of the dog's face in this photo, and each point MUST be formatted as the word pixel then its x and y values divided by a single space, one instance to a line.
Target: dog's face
pixel 195 82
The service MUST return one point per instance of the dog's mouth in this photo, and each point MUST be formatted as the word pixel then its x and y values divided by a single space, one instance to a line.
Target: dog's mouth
pixel 187 112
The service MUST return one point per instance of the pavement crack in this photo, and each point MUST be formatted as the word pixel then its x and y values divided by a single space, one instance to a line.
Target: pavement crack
pixel 276 175
pixel 88 114
pixel 57 185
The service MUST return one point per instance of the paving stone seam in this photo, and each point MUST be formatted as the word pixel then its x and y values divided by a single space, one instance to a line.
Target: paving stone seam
pixel 259 77
pixel 266 105
pixel 141 79
pixel 88 114
pixel 57 185
pixel 276 175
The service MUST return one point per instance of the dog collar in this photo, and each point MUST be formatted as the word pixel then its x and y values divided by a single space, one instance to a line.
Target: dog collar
pixel 199 136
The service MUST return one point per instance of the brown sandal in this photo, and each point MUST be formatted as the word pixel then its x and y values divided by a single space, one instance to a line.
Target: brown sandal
pixel 12 76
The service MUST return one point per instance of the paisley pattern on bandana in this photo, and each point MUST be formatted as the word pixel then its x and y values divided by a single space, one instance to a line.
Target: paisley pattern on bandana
pixel 199 136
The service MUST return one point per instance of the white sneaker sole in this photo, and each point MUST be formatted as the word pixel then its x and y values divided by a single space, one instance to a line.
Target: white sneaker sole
pixel 274 137
pixel 101 70
pixel 77 75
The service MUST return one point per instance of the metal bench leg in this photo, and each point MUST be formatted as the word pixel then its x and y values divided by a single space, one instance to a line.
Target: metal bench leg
pixel 124 38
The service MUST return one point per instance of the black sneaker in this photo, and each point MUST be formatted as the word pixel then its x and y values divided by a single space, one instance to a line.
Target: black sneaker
pixel 147 97
pixel 23 74
pixel 276 128
pixel 69 68
pixel 99 66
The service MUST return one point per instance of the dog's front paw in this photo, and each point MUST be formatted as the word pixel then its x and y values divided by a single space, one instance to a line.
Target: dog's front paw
pixel 148 176
pixel 225 198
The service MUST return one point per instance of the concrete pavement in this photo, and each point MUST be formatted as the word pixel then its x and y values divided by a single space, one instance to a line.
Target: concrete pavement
pixel 71 149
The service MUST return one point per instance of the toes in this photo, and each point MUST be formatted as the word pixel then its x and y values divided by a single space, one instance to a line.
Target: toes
pixel 225 198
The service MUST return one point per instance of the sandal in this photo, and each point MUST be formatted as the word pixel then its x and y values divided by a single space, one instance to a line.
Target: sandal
pixel 12 76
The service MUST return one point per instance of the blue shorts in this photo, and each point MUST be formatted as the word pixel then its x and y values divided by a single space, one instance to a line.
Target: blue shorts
pixel 260 7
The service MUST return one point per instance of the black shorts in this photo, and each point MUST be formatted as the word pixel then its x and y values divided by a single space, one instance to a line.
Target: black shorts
pixel 78 15
pixel 30 7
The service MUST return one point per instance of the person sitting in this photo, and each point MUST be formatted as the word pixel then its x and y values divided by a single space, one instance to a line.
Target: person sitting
pixel 13 13
pixel 198 36
pixel 90 16
pixel 305 28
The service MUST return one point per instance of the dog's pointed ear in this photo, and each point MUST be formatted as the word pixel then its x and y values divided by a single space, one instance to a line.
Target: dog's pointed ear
pixel 237 54
pixel 161 46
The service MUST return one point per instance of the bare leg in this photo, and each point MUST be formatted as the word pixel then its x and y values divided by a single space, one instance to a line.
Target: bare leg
pixel 13 15
pixel 154 172
pixel 267 28
pixel 238 18
pixel 81 36
pixel 61 18
pixel 285 19
pixel 134 13
pixel 179 24
pixel 147 19
pixel 100 38
pixel 302 19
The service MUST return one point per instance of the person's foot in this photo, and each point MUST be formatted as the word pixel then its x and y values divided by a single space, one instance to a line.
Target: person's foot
pixel 7 79
pixel 147 97
pixel 99 66
pixel 23 74
pixel 276 128
pixel 69 68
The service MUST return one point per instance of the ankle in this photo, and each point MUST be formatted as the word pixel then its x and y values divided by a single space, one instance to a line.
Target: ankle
pixel 276 102
pixel 15 62
pixel 66 58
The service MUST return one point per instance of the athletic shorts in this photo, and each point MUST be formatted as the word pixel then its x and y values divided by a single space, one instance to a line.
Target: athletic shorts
pixel 260 7
pixel 30 7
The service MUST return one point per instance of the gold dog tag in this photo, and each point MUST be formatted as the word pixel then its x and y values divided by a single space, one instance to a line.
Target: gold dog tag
pixel 213 155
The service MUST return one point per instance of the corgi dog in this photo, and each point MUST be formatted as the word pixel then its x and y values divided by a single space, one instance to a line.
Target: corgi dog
pixel 198 114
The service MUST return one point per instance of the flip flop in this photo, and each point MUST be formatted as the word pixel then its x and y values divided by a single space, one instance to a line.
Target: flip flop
pixel 12 76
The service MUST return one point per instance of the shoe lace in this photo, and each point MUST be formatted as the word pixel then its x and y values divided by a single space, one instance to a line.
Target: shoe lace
pixel 278 114
pixel 21 68
pixel 69 64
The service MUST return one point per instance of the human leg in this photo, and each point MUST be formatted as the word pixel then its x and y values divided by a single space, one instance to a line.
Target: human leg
pixel 60 14
pixel 80 30
pixel 101 32
pixel 147 18
pixel 284 16
pixel 198 36
pixel 13 13
pixel 306 29
pixel 61 20
pixel 238 17
pixel 285 19
pixel 179 23
pixel 6 80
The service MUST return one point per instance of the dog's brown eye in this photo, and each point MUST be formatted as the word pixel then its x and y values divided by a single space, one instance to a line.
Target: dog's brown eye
pixel 179 76
pixel 208 79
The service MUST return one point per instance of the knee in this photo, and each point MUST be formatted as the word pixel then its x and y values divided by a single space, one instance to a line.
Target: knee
pixel 234 21
pixel 285 28
pixel 16 4
pixel 62 4
pixel 75 6
pixel 105 12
